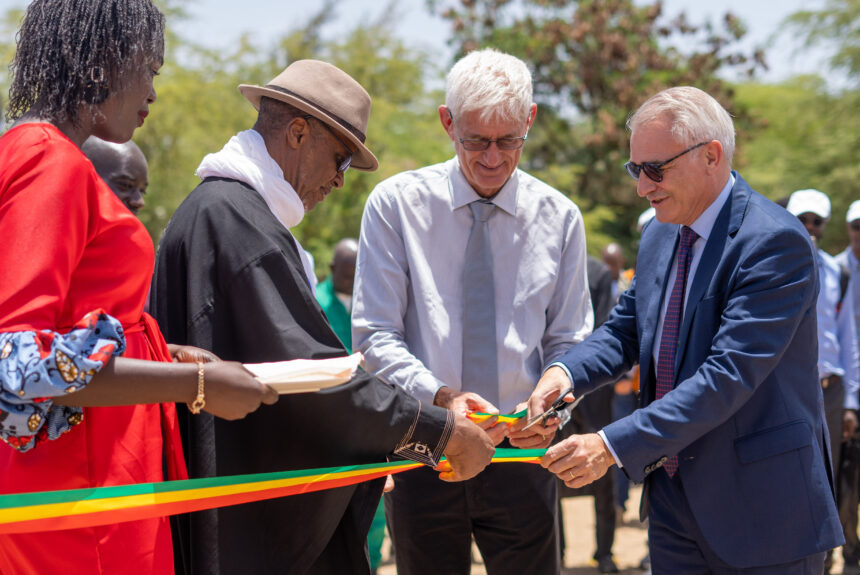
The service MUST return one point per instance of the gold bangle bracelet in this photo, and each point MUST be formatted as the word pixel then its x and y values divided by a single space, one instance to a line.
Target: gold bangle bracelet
pixel 199 401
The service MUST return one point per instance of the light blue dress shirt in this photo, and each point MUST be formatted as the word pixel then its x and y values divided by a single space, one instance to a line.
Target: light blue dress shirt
pixel 852 264
pixel 408 294
pixel 837 334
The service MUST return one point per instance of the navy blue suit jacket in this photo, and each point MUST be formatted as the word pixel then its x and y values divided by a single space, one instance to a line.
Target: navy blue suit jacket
pixel 745 416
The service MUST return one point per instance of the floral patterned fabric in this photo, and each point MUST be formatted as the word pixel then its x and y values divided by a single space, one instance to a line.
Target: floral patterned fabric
pixel 38 365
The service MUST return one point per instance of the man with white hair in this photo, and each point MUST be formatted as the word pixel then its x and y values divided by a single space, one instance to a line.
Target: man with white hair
pixel 471 278
pixel 730 438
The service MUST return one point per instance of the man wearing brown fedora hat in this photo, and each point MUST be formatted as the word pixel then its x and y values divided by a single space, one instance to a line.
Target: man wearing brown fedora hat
pixel 231 278
pixel 470 279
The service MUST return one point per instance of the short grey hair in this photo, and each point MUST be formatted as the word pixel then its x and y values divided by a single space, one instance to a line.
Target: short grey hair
pixel 695 116
pixel 497 84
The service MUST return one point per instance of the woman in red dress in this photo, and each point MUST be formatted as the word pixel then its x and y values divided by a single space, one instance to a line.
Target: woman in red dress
pixel 75 268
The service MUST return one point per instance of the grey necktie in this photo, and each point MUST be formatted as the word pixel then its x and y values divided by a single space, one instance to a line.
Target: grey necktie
pixel 480 369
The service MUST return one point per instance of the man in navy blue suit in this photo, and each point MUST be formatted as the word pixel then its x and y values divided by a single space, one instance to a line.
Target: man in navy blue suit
pixel 729 438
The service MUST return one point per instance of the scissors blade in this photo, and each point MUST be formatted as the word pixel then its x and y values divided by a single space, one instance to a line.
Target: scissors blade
pixel 540 417
pixel 558 405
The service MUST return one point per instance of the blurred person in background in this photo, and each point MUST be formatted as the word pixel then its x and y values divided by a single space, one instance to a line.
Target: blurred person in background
pixel 123 167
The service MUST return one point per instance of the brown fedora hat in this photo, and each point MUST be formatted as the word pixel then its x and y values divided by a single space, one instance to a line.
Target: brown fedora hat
pixel 330 95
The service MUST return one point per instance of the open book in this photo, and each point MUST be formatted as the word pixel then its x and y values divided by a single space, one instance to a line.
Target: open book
pixel 305 375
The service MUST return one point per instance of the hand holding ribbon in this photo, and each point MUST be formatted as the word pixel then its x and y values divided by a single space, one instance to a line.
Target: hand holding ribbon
pixel 579 459
pixel 463 403
pixel 468 451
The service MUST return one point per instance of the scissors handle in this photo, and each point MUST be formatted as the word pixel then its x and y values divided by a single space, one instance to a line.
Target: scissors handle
pixel 556 406
pixel 560 403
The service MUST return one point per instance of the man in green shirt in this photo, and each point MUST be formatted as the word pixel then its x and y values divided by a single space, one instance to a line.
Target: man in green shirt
pixel 335 293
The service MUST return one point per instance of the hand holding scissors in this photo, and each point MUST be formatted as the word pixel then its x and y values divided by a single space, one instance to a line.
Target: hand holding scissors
pixel 557 406
pixel 552 394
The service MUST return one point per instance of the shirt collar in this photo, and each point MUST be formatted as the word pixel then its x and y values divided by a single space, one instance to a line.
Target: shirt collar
pixel 705 222
pixel 463 194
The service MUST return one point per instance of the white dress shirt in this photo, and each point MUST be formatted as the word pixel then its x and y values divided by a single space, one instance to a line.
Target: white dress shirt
pixel 408 295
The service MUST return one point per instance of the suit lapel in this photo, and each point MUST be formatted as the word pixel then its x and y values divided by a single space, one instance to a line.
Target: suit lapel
pixel 727 224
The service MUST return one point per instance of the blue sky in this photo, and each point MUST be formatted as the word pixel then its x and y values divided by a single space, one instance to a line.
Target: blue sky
pixel 219 22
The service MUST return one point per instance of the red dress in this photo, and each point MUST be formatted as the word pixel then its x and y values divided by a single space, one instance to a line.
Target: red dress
pixel 69 246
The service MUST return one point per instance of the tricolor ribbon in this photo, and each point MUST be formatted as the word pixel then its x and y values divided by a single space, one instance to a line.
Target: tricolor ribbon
pixel 75 508
pixel 508 419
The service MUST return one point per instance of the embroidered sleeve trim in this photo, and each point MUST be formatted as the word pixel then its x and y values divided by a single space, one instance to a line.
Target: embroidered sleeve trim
pixel 420 451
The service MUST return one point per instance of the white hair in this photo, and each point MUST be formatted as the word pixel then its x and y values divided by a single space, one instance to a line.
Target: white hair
pixel 695 117
pixel 498 85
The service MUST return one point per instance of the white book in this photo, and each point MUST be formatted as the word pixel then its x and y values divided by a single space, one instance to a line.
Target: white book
pixel 306 375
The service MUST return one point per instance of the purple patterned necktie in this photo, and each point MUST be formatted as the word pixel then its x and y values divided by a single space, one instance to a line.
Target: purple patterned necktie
pixel 672 325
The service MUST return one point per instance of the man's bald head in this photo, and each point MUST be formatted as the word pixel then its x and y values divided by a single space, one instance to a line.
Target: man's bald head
pixel 343 265
pixel 123 167
pixel 613 256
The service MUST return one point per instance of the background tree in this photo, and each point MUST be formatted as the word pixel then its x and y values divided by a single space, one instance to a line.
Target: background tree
pixel 811 130
pixel 594 62
pixel 199 109
pixel 835 26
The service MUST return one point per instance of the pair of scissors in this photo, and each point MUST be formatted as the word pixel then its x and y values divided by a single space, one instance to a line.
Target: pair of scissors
pixel 557 405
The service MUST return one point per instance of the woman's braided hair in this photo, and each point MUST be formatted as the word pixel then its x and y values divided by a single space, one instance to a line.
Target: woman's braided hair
pixel 73 52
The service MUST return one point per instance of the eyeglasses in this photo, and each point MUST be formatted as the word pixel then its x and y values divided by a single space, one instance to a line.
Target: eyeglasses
pixel 343 165
pixel 814 221
pixel 654 170
pixel 481 144
pixel 855 225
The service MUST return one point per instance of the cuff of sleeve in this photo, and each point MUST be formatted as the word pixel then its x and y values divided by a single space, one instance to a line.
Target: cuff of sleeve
pixel 38 365
pixel 562 366
pixel 611 450
pixel 428 436
pixel 425 388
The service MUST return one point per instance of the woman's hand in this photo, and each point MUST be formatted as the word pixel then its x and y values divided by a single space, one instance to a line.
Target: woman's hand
pixel 190 354
pixel 231 391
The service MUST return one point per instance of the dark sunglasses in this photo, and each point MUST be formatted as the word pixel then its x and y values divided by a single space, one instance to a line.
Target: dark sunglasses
pixel 654 170
pixel 810 220
pixel 855 225
pixel 344 164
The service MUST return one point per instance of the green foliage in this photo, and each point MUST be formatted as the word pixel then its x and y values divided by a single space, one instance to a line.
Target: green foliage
pixel 199 109
pixel 836 25
pixel 9 24
pixel 810 140
pixel 594 62
pixel 404 130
